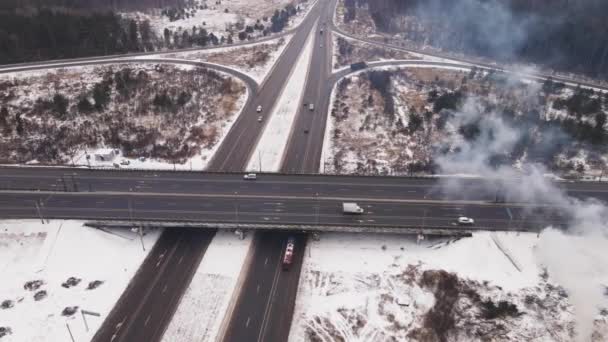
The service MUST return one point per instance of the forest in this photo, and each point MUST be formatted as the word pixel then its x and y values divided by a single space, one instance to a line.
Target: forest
pixel 560 34
pixel 62 29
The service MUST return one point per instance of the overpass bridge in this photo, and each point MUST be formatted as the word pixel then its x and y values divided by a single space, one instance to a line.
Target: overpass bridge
pixel 273 201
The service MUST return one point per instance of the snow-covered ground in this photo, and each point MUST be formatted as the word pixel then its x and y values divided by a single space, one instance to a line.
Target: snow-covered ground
pixel 210 103
pixel 52 253
pixel 255 60
pixel 376 288
pixel 206 302
pixel 226 17
pixel 269 150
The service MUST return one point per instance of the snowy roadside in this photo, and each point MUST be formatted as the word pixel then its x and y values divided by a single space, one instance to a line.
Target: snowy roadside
pixel 38 262
pixel 197 162
pixel 269 150
pixel 205 303
pixel 243 59
pixel 373 288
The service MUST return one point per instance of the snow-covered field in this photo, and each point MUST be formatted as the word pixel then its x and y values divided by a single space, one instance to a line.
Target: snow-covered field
pixel 156 116
pixel 226 17
pixel 255 60
pixel 391 288
pixel 42 257
pixel 268 153
pixel 206 302
pixel 400 119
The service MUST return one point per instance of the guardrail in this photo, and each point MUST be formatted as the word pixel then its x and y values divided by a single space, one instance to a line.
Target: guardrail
pixel 408 230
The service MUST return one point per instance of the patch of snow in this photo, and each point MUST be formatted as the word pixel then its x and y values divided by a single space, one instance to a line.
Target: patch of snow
pixel 361 287
pixel 268 153
pixel 53 253
pixel 204 305
pixel 198 162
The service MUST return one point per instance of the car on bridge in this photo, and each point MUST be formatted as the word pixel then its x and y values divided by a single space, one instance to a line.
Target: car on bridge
pixel 259 109
pixel 250 176
pixel 465 221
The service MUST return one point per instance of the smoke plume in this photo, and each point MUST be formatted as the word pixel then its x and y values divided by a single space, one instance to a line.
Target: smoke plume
pixel 576 258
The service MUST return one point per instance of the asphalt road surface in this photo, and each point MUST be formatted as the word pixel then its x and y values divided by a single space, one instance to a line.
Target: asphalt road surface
pixel 233 154
pixel 301 186
pixel 275 209
pixel 147 305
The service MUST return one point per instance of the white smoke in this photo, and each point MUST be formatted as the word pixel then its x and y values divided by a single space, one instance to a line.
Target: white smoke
pixel 577 260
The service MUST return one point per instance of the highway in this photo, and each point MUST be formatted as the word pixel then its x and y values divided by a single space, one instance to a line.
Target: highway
pixel 277 209
pixel 298 185
pixel 233 155
pixel 265 304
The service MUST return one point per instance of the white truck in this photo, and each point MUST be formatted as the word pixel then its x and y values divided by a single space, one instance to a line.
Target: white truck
pixel 351 208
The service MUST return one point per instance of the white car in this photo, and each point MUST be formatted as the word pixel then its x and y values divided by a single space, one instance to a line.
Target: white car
pixel 259 118
pixel 465 221
pixel 259 109
pixel 311 106
pixel 250 176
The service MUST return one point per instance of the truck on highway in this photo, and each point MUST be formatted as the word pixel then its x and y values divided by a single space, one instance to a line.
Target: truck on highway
pixel 288 255
pixel 351 208
pixel 358 66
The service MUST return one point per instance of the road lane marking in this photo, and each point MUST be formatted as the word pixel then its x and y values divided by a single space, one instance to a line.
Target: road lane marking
pixel 247 323
pixel 258 289
pixel 147 320
pixel 266 262
pixel 271 197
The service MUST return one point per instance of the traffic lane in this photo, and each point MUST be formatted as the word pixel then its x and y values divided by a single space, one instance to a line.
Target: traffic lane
pixel 233 154
pixel 406 216
pixel 249 314
pixel 280 313
pixel 150 323
pixel 242 187
pixel 243 204
pixel 152 267
pixel 296 152
pixel 96 180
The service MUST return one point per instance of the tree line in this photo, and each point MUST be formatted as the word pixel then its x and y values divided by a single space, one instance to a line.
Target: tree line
pixel 43 33
pixel 561 34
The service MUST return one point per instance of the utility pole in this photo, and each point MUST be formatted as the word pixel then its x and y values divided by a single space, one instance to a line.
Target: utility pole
pixel 141 237
pixel 236 208
pixel 260 159
pixel 424 220
pixel 39 212
pixel 318 207
pixel 130 209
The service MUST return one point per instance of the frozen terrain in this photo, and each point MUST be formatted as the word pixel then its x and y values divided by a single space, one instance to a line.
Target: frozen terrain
pixel 255 60
pixel 47 268
pixel 139 115
pixel 224 18
pixel 391 288
pixel 399 120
